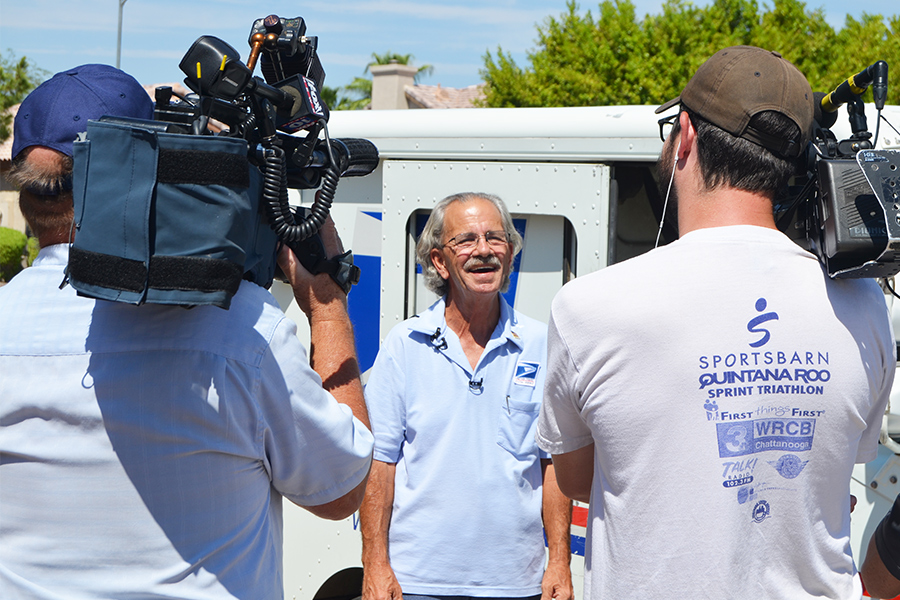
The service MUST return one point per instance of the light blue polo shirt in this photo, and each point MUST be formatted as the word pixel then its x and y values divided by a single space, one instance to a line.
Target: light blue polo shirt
pixel 467 493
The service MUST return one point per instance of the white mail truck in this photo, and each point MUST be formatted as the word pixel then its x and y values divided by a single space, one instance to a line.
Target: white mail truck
pixel 581 185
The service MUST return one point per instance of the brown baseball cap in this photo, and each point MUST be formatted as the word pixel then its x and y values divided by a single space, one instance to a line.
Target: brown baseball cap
pixel 738 82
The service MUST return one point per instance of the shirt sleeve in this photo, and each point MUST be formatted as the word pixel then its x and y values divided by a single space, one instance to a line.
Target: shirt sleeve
pixel 561 428
pixel 317 451
pixel 882 369
pixel 385 391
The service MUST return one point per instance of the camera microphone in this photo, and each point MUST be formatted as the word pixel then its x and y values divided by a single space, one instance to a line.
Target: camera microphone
pixel 437 340
pixel 856 85
pixel 281 99
pixel 306 106
pixel 825 119
pixel 880 84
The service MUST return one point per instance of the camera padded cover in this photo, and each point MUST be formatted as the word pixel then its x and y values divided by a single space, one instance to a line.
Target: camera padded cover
pixel 166 218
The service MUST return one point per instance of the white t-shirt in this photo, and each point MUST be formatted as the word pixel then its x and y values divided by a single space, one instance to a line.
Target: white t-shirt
pixel 144 450
pixel 728 386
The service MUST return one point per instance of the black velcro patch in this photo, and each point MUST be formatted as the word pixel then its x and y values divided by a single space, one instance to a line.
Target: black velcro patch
pixel 203 168
pixel 104 270
pixel 195 273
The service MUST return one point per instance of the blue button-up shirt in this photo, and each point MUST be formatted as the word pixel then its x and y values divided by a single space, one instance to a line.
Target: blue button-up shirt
pixel 144 450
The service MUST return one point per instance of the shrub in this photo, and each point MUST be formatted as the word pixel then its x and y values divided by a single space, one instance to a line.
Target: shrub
pixel 12 248
pixel 31 250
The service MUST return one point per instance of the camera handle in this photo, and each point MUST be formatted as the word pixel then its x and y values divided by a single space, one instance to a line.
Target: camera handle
pixel 311 254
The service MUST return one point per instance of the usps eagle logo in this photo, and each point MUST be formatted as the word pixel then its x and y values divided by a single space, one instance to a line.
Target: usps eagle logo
pixel 526 373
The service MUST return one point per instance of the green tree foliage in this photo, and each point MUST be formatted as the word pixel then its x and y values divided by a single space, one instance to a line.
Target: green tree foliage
pixel 618 58
pixel 329 95
pixel 358 93
pixel 12 249
pixel 17 78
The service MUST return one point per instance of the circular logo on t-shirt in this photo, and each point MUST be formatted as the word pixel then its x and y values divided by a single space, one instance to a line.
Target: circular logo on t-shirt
pixel 789 466
pixel 760 511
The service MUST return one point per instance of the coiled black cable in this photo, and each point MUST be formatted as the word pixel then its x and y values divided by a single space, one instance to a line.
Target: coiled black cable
pixel 275 195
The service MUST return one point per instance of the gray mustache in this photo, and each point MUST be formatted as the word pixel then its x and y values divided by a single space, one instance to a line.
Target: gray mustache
pixel 475 262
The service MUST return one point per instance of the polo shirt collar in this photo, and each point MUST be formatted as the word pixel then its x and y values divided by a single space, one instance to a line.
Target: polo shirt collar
pixel 512 331
pixel 57 254
pixel 433 318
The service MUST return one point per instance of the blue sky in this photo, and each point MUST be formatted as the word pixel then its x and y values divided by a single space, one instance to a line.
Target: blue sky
pixel 451 35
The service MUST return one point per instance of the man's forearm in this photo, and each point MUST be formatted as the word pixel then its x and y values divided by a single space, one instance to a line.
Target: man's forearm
pixel 332 352
pixel 379 581
pixel 557 516
pixel 333 355
pixel 375 514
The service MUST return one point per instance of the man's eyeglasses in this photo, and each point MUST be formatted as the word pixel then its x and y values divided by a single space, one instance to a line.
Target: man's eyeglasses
pixel 665 126
pixel 466 242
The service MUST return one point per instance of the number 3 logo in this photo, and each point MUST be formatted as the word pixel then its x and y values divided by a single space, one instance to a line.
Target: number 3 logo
pixel 738 435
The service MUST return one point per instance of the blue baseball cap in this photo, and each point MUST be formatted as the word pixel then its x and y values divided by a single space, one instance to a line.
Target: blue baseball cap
pixel 58 110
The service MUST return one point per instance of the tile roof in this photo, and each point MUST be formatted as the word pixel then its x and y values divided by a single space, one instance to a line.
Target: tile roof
pixel 435 96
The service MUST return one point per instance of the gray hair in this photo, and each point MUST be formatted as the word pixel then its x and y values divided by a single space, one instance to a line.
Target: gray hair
pixel 434 231
pixel 44 198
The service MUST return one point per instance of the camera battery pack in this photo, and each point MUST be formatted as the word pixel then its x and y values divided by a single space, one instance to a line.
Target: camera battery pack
pixel 859 214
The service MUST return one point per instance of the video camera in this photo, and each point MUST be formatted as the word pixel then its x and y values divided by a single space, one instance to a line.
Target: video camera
pixel 267 114
pixel 205 196
pixel 847 211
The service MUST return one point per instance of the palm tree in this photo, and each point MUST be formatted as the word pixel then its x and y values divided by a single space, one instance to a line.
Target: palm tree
pixel 403 59
pixel 358 93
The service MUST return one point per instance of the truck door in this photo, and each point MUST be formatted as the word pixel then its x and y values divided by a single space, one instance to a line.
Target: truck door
pixel 562 210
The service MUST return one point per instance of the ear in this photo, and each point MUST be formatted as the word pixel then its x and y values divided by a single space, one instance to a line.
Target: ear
pixel 437 259
pixel 687 136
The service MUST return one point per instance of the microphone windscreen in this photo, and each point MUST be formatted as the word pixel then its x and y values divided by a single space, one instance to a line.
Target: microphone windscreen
pixel 297 97
pixel 824 119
